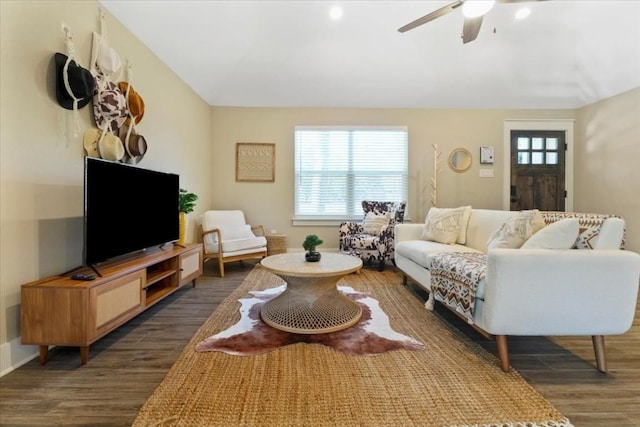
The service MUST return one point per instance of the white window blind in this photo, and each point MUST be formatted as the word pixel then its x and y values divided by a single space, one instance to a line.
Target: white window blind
pixel 338 167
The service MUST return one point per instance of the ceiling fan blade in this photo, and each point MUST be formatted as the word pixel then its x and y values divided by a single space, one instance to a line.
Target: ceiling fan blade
pixel 519 1
pixel 471 28
pixel 430 17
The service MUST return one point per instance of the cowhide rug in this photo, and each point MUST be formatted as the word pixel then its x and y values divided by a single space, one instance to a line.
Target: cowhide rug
pixel 251 336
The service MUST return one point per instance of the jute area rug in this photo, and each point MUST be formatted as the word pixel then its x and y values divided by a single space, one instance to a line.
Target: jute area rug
pixel 451 382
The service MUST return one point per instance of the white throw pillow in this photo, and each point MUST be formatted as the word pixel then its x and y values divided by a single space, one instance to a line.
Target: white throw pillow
pixel 513 233
pixel 373 222
pixel 462 236
pixel 443 225
pixel 558 235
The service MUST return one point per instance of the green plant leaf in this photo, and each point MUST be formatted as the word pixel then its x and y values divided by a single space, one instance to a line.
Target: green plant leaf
pixel 187 201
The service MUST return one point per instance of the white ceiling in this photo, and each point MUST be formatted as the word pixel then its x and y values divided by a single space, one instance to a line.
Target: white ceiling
pixel 567 54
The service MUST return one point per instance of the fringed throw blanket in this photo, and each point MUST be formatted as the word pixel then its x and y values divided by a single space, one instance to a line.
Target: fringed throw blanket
pixel 455 278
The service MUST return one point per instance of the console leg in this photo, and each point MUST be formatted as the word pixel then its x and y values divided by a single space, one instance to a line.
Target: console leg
pixel 601 356
pixel 503 352
pixel 84 354
pixel 44 354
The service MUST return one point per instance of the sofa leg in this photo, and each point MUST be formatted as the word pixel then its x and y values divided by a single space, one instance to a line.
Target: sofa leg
pixel 381 265
pixel 601 356
pixel 503 352
pixel 404 280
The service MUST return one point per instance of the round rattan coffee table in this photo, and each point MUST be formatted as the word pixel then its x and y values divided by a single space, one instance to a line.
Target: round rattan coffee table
pixel 311 302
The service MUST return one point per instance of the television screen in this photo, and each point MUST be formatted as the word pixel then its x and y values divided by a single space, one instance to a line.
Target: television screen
pixel 127 209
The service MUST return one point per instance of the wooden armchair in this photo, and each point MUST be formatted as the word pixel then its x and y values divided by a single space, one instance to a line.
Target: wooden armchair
pixel 227 237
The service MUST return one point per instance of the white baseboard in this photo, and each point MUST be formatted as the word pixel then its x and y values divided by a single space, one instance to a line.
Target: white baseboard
pixel 13 355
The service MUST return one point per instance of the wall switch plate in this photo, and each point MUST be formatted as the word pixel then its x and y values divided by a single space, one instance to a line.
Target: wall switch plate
pixel 486 173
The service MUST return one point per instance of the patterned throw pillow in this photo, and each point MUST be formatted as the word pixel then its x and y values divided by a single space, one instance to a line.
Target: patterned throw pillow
pixel 443 225
pixel 373 223
pixel 513 233
pixel 558 235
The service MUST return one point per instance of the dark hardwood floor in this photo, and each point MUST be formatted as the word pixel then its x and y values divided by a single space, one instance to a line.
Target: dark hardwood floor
pixel 127 365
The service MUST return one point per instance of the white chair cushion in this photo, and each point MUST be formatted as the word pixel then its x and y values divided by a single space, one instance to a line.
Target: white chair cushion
pixel 236 234
pixel 219 219
pixel 243 244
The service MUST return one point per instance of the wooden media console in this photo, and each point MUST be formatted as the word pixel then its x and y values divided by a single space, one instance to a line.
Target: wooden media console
pixel 62 311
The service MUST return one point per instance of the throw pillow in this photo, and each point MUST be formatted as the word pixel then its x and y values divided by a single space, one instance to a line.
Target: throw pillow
pixel 373 223
pixel 462 236
pixel 443 225
pixel 558 235
pixel 513 233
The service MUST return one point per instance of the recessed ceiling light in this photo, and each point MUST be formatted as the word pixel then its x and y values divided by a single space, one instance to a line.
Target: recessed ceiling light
pixel 335 13
pixel 523 13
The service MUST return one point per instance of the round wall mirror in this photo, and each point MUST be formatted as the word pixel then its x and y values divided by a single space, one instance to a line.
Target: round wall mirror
pixel 460 160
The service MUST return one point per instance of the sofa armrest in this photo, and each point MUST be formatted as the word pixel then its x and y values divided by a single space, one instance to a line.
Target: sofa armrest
pixel 405 232
pixel 560 292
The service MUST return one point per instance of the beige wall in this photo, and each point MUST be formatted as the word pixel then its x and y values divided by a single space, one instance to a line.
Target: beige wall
pixel 607 176
pixel 272 204
pixel 42 163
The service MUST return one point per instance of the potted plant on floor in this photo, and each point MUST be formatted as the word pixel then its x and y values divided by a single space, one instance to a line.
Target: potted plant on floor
pixel 309 245
pixel 187 204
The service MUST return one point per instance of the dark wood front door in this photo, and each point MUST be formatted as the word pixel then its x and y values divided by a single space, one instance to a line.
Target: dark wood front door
pixel 538 170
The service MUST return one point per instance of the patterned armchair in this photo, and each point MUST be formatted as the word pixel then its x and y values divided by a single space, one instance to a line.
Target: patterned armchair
pixel 372 240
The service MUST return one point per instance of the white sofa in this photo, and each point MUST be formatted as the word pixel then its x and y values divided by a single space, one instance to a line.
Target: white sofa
pixel 540 292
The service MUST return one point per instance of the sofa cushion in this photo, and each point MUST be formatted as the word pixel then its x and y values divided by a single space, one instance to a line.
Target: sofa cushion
pixel 373 223
pixel 558 235
pixel 236 245
pixel 443 225
pixel 515 231
pixel 419 251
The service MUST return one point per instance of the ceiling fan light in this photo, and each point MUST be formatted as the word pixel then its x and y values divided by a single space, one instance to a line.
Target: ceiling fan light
pixel 475 8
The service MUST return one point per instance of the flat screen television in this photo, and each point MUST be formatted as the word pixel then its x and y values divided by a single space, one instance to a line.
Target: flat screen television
pixel 127 209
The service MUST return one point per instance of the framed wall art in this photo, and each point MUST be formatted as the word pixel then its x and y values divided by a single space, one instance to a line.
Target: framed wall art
pixel 255 162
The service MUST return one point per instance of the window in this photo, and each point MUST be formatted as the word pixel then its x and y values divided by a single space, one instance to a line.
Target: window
pixel 338 167
pixel 537 150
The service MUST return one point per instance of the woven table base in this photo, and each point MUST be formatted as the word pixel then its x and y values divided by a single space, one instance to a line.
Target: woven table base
pixel 311 305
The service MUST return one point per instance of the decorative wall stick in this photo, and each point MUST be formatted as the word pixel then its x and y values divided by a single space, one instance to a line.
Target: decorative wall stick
pixel 436 170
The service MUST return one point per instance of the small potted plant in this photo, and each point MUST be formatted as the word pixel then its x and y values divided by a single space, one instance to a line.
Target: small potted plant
pixel 309 245
pixel 187 204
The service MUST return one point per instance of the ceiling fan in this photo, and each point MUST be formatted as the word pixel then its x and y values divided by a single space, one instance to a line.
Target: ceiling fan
pixel 473 11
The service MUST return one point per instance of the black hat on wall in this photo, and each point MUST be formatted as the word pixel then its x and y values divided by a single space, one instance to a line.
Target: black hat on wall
pixel 72 83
